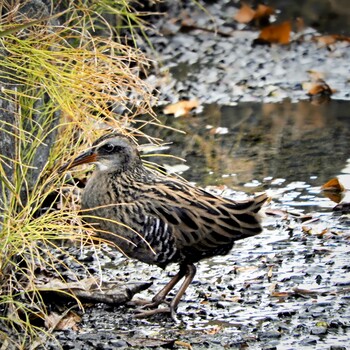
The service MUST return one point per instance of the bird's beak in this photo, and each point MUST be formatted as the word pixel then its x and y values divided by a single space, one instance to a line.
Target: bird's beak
pixel 84 158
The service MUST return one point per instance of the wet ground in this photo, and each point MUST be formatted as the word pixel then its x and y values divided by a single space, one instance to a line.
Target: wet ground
pixel 289 287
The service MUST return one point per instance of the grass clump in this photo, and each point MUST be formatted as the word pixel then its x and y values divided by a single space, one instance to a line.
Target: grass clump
pixel 64 79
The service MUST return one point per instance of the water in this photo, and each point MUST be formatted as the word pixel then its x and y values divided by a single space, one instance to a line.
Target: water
pixel 299 145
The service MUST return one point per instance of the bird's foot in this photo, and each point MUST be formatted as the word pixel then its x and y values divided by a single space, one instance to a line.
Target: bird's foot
pixel 147 304
pixel 149 308
pixel 141 313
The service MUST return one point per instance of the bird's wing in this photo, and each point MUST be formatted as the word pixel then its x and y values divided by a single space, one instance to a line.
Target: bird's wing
pixel 200 219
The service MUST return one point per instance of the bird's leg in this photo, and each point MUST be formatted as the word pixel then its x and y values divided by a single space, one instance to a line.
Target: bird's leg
pixel 160 296
pixel 189 272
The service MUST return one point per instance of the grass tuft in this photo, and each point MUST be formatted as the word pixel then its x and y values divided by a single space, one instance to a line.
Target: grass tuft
pixel 66 78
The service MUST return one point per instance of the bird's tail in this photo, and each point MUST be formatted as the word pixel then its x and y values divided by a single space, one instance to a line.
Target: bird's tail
pixel 259 200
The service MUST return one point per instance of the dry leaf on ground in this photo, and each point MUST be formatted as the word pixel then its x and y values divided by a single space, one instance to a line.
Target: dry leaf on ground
pixel 327 40
pixel 181 108
pixel 213 330
pixel 263 11
pixel 318 87
pixel 183 344
pixel 333 185
pixel 260 16
pixel 333 189
pixel 281 294
pixel 245 14
pixel 275 34
pixel 54 321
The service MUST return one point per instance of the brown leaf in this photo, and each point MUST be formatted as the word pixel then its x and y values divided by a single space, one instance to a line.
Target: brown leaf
pixel 263 11
pixel 213 330
pixel 234 299
pixel 307 229
pixel 240 269
pixel 183 344
pixel 319 87
pixel 68 320
pixel 181 108
pixel 333 185
pixel 327 40
pixel 245 14
pixel 281 294
pixel 276 34
pixel 301 291
pixel 260 16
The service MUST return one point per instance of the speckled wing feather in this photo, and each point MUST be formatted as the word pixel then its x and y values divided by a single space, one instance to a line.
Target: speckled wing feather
pixel 206 223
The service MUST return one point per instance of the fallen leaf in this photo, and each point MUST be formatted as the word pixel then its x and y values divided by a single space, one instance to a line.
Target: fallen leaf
pixel 319 87
pixel 181 108
pixel 333 189
pixel 323 232
pixel 275 34
pixel 68 320
pixel 245 14
pixel 333 185
pixel 327 40
pixel 269 273
pixel 245 269
pixel 261 16
pixel 281 294
pixel 183 344
pixel 263 12
pixel 307 229
pixel 301 291
pixel 213 330
pixel 234 299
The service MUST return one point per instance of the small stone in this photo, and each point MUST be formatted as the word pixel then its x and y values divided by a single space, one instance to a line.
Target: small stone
pixel 270 335
pixel 318 330
pixel 308 341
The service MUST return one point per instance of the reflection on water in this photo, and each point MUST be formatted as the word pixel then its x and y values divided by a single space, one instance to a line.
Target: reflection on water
pixel 235 145
pixel 324 15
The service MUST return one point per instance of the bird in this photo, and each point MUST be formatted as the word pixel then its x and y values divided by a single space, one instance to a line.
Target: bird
pixel 159 219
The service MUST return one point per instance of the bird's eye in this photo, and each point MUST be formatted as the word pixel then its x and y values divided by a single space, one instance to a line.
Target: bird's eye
pixel 108 147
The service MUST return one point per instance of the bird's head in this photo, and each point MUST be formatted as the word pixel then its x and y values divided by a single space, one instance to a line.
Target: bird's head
pixel 111 152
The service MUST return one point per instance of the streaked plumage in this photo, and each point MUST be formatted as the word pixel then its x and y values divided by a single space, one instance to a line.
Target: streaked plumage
pixel 158 219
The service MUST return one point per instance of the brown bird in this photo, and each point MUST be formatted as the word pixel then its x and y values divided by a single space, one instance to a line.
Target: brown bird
pixel 159 219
